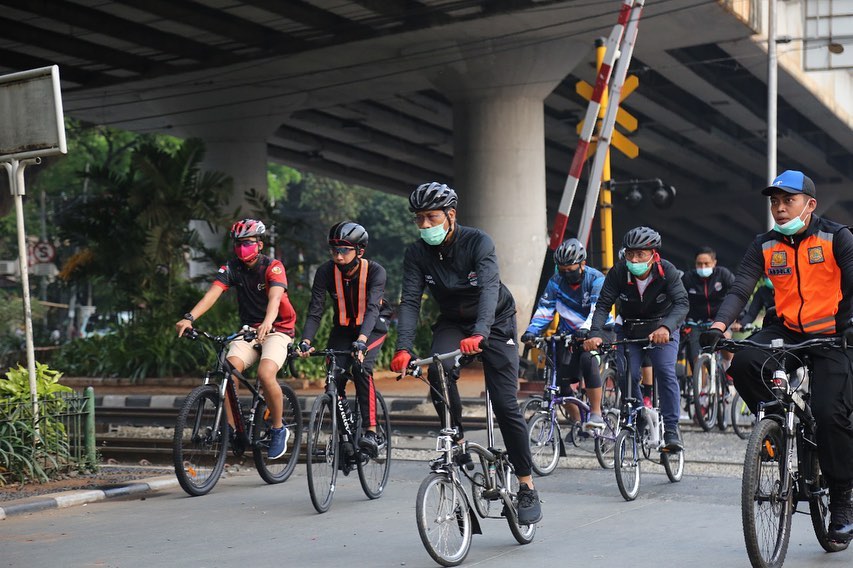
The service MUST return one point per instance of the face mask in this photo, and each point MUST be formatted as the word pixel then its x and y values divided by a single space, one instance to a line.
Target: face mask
pixel 434 235
pixel 637 268
pixel 792 226
pixel 704 272
pixel 350 265
pixel 573 276
pixel 247 251
pixel 769 283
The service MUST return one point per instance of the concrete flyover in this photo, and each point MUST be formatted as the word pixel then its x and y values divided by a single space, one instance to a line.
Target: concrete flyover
pixel 480 94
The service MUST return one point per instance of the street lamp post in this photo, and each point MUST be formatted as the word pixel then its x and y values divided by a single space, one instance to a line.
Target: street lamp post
pixel 772 88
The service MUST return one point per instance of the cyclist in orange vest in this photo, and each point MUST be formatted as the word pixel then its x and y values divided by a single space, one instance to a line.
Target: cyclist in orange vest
pixel 809 260
pixel 356 286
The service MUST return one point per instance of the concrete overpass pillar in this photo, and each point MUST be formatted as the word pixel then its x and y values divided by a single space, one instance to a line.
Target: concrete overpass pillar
pixel 498 98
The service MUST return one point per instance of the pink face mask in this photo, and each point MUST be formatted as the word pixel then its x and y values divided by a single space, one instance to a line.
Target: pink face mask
pixel 247 251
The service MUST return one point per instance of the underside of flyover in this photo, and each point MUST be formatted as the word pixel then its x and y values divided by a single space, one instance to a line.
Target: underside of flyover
pixel 351 89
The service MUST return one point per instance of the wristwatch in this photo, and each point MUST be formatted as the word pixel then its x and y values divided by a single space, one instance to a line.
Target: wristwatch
pixel 189 316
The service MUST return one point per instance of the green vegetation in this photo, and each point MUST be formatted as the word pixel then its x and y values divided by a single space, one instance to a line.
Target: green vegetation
pixel 118 213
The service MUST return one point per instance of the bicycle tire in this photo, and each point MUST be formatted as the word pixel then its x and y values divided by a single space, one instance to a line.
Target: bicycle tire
pixel 530 407
pixel 766 518
pixel 743 420
pixel 673 465
pixel 704 394
pixel 373 472
pixel 611 397
pixel 605 441
pixel 818 497
pixel 543 436
pixel 278 470
pixel 444 519
pixel 198 446
pixel 626 464
pixel 481 504
pixel 322 453
pixel 722 391
pixel 523 534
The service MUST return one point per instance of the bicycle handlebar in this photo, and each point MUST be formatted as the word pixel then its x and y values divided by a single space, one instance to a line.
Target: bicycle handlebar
pixel 246 333
pixel 777 345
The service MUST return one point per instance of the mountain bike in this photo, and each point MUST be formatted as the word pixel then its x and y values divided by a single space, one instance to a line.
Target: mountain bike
pixel 781 467
pixel 202 439
pixel 443 509
pixel 543 427
pixel 710 391
pixel 641 434
pixel 334 431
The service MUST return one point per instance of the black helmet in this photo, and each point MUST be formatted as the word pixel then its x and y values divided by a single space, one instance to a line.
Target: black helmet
pixel 348 234
pixel 570 252
pixel 641 238
pixel 433 195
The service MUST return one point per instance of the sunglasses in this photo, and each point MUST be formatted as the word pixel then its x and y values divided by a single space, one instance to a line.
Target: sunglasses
pixel 343 251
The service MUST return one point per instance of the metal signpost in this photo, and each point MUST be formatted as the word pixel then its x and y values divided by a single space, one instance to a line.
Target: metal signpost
pixel 33 125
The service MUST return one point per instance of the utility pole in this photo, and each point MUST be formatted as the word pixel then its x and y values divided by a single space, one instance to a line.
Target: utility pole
pixel 772 88
pixel 605 203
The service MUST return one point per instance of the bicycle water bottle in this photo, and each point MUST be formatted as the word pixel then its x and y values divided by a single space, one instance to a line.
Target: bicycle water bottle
pixel 803 387
pixel 653 421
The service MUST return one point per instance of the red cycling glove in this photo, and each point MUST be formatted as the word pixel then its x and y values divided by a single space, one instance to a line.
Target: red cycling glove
pixel 471 345
pixel 400 361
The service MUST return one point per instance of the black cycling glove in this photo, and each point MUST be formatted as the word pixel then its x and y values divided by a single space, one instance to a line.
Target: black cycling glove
pixel 527 338
pixel 304 346
pixel 359 347
pixel 710 338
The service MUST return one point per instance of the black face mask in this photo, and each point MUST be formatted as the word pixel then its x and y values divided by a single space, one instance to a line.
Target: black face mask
pixel 573 276
pixel 350 265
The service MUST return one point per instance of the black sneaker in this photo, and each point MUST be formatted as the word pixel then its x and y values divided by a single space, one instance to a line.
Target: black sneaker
pixel 840 514
pixel 672 440
pixel 369 444
pixel 529 510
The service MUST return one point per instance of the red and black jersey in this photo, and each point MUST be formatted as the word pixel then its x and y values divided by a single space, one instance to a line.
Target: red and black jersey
pixel 252 285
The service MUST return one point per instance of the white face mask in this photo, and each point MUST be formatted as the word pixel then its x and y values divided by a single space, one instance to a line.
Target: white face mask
pixel 705 271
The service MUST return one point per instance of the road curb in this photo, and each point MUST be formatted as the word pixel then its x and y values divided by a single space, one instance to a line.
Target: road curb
pixel 84 496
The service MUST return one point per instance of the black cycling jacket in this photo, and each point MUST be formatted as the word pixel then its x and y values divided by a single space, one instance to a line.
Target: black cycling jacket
pixel 462 275
pixel 665 297
pixel 706 294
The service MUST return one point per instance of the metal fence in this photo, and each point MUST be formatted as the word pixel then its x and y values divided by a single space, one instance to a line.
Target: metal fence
pixel 63 437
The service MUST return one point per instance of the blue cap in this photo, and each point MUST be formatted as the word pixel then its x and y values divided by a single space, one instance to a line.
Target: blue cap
pixel 792 181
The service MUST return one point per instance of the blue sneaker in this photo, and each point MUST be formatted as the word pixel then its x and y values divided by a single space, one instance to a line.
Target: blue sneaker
pixel 278 442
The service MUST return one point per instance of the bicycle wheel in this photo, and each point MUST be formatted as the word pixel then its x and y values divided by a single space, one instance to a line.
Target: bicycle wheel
pixel 606 439
pixel 373 472
pixel 627 464
pixel 530 407
pixel 610 396
pixel 818 496
pixel 704 394
pixel 543 435
pixel 277 471
pixel 673 464
pixel 743 419
pixel 722 395
pixel 765 512
pixel 199 446
pixel 523 534
pixel 322 453
pixel 444 519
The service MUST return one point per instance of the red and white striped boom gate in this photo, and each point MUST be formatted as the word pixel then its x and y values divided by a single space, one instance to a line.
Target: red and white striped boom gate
pixel 620 44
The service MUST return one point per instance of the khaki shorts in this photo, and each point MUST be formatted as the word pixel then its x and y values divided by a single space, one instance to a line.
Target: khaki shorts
pixel 274 348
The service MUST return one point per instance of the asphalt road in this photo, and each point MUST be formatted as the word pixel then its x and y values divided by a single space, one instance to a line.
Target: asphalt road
pixel 245 522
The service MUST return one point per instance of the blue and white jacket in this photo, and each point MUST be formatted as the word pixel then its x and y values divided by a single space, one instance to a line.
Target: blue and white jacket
pixel 575 305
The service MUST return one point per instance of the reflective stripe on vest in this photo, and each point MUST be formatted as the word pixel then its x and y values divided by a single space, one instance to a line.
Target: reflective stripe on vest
pixel 807 282
pixel 343 317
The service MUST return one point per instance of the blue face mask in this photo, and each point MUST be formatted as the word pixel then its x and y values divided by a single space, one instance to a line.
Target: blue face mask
pixel 769 283
pixel 637 268
pixel 705 271
pixel 792 226
pixel 434 235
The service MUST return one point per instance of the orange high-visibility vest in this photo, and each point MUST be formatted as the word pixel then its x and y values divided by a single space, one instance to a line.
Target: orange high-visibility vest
pixel 343 317
pixel 807 282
